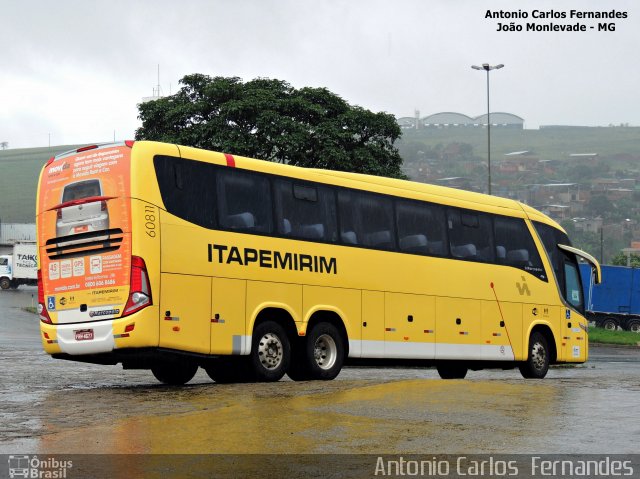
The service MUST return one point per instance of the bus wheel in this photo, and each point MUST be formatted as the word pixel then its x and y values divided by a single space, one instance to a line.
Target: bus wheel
pixel 175 373
pixel 609 324
pixel 537 363
pixel 270 352
pixel 452 370
pixel 320 356
pixel 634 325
pixel 5 283
pixel 230 370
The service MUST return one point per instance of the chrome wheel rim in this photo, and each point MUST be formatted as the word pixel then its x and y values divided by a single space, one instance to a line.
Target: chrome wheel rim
pixel 270 351
pixel 325 351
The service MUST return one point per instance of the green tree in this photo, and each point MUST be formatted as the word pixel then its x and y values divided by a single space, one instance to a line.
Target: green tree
pixel 600 205
pixel 270 120
pixel 621 260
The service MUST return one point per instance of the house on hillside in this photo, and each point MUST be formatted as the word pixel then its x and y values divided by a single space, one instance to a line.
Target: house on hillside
pixel 519 162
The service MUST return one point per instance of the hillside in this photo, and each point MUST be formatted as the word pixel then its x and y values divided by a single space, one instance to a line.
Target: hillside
pixel 20 167
pixel 547 143
pixel 19 171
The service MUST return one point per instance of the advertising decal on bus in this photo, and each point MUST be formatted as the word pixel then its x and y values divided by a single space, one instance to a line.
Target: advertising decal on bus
pixel 85 232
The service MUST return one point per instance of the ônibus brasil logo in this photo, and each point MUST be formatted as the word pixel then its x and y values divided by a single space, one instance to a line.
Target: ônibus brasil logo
pixel 34 467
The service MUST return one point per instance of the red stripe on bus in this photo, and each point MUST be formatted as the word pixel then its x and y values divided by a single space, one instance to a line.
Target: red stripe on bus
pixel 230 160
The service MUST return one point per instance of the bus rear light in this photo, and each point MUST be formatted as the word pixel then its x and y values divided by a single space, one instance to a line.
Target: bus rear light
pixel 42 310
pixel 129 143
pixel 86 148
pixel 139 288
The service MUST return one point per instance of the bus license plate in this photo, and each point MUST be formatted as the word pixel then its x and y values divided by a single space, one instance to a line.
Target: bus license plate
pixel 84 334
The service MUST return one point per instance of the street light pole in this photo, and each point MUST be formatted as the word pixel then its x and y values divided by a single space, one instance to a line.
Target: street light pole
pixel 488 68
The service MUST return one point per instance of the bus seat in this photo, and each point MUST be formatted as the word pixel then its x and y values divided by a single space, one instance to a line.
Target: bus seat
pixel 501 252
pixel 349 237
pixel 286 226
pixel 241 221
pixel 464 251
pixel 414 244
pixel 315 231
pixel 381 239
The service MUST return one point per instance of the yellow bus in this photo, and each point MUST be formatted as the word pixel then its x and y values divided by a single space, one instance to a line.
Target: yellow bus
pixel 173 258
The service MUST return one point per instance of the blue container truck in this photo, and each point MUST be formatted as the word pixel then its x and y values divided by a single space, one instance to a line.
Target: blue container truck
pixel 616 301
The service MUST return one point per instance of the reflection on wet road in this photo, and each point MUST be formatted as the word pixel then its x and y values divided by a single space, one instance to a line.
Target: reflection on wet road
pixel 51 406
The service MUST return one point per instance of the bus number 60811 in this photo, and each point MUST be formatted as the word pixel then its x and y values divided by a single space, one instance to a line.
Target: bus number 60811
pixel 150 221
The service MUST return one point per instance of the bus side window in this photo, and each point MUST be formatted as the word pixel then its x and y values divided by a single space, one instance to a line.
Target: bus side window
pixel 515 246
pixel 305 211
pixel 349 219
pixel 366 219
pixel 420 227
pixel 470 235
pixel 550 238
pixel 244 201
pixel 187 188
pixel 573 291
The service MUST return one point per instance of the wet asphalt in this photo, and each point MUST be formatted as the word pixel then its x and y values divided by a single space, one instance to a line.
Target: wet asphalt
pixel 50 406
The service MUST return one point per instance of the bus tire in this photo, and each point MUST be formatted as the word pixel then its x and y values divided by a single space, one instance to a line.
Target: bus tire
pixel 175 373
pixel 609 323
pixel 5 283
pixel 270 352
pixel 230 370
pixel 634 325
pixel 452 370
pixel 320 356
pixel 537 363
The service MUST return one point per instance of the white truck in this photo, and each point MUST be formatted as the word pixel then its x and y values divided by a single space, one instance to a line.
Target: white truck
pixel 20 267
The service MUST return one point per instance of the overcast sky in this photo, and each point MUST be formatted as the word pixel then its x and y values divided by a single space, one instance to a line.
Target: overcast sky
pixel 74 71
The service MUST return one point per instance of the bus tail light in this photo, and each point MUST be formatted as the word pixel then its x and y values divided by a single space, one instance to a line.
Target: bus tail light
pixel 139 288
pixel 42 309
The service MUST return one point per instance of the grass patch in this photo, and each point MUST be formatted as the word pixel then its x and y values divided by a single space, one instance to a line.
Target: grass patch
pixel 30 309
pixel 604 336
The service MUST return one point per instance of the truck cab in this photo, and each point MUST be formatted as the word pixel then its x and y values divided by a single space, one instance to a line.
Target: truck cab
pixel 18 268
pixel 6 275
